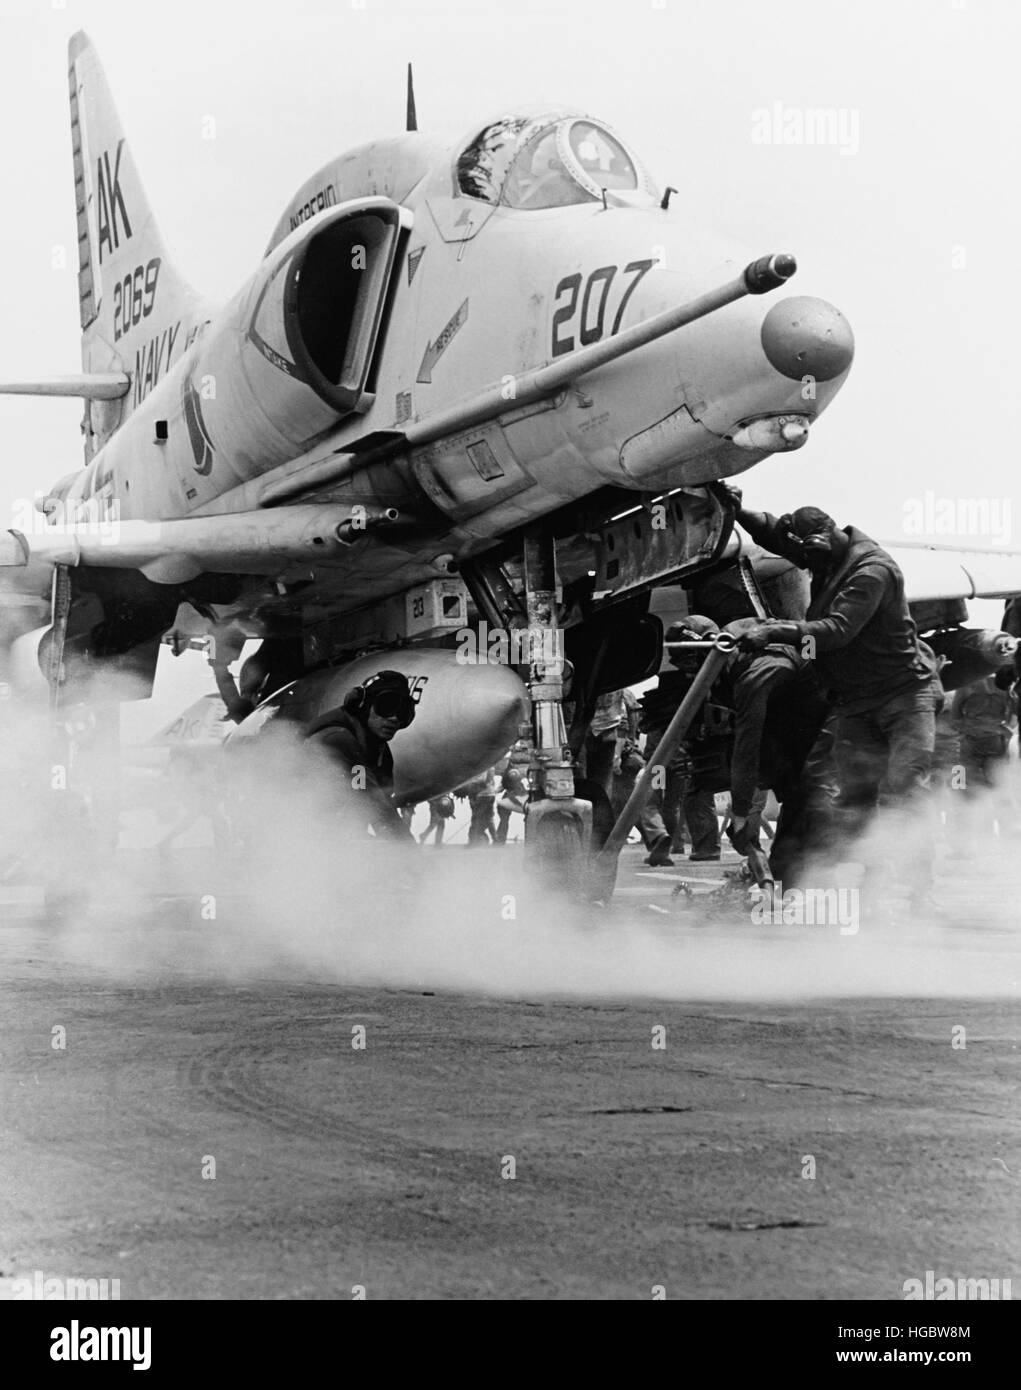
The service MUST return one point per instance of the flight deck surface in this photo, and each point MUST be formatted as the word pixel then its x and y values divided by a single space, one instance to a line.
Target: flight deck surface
pixel 584 1110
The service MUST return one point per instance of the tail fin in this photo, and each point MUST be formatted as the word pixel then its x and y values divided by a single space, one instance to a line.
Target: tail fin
pixel 412 116
pixel 129 292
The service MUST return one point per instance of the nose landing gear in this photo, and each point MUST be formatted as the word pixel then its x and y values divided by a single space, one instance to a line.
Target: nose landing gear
pixel 558 824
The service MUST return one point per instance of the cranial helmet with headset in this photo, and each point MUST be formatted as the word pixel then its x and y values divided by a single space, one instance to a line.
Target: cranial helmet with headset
pixel 808 531
pixel 386 693
pixel 694 628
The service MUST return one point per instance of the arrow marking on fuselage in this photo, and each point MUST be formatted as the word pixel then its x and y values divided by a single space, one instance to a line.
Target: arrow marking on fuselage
pixel 434 351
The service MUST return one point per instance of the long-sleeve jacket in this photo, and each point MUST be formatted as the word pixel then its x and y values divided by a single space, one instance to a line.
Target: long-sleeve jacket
pixel 660 703
pixel 866 646
pixel 753 679
pixel 984 717
pixel 239 706
pixel 364 765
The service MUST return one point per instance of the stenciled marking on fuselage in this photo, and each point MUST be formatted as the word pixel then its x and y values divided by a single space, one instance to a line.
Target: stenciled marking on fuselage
pixel 324 198
pixel 134 297
pixel 111 210
pixel 434 351
pixel 152 361
pixel 593 304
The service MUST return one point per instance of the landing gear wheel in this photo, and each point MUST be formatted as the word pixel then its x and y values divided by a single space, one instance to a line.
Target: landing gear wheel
pixel 558 842
pixel 600 875
pixel 559 851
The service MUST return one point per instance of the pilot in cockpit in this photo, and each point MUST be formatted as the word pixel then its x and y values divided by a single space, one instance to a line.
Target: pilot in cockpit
pixel 539 178
pixel 549 160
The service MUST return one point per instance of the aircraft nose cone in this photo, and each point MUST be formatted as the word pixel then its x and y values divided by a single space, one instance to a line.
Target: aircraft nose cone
pixel 803 337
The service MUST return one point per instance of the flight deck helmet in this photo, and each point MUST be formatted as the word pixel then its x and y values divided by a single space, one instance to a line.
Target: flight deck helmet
pixel 696 627
pixel 386 693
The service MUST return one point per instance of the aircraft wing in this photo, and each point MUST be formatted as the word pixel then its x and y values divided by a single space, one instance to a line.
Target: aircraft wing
pixel 24 606
pixel 933 572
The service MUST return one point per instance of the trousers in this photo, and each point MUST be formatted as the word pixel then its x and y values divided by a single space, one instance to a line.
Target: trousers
pixel 883 756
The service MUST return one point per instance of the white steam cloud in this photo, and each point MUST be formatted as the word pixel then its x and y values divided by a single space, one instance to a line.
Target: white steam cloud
pixel 306 899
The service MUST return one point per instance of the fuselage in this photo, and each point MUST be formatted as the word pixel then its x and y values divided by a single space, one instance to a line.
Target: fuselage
pixel 475 289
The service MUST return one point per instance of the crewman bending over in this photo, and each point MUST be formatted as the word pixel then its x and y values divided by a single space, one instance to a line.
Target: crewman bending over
pixel 356 737
pixel 861 639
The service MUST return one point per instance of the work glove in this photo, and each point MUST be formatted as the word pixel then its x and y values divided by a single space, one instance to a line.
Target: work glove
pixel 756 639
pixel 735 494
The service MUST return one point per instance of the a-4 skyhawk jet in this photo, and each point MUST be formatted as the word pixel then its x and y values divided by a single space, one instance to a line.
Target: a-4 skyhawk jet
pixel 430 404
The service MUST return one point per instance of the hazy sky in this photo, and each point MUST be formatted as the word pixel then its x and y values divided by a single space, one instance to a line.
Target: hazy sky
pixel 910 222
pixel 911 225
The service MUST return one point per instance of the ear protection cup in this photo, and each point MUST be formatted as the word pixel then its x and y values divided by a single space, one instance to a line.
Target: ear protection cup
pixel 786 523
pixel 817 543
pixel 359 700
pixel 352 701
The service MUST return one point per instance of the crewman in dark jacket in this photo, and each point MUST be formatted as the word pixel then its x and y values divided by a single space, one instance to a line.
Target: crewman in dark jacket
pixel 778 714
pixel 859 634
pixel 356 737
pixel 984 715
pixel 255 684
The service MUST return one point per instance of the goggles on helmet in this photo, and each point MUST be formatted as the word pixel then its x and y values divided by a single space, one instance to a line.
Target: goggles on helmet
pixel 393 704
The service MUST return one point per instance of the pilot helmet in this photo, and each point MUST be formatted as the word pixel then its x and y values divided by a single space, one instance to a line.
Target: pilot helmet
pixel 387 694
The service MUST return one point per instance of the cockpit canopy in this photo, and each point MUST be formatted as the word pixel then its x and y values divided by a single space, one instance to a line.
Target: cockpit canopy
pixel 549 159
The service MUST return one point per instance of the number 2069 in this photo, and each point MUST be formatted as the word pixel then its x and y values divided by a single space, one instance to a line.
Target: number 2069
pixel 134 296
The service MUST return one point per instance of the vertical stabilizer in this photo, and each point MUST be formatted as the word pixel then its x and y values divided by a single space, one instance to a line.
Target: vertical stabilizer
pixel 130 296
pixel 411 120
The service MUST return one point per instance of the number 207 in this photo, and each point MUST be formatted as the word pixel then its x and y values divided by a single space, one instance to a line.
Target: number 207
pixel 593 309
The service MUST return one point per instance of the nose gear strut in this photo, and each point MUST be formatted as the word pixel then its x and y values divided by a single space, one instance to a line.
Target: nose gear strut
pixel 558 824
